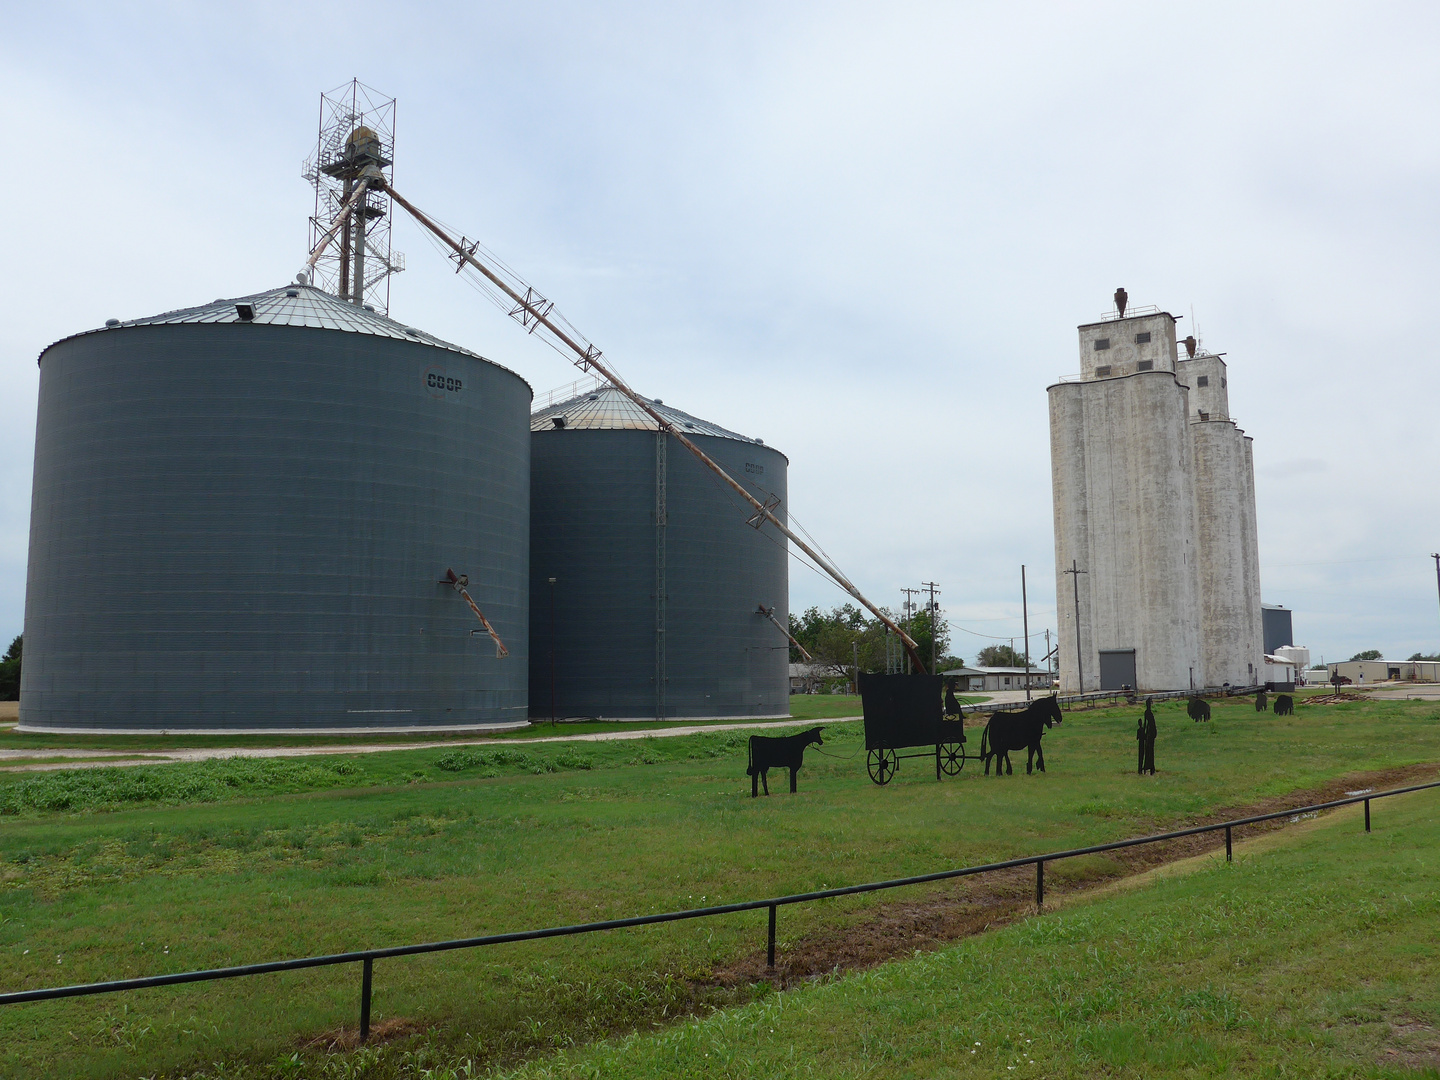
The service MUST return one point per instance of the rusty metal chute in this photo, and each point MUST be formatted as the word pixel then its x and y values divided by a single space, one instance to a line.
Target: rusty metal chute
pixel 460 583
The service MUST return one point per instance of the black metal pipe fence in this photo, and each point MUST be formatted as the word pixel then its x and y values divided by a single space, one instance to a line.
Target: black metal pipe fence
pixel 367 957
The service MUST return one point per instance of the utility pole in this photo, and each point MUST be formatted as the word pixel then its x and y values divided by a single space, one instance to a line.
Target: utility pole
pixel 552 651
pixel 1075 573
pixel 855 649
pixel 1048 661
pixel 934 632
pixel 1436 556
pixel 909 609
pixel 1025 616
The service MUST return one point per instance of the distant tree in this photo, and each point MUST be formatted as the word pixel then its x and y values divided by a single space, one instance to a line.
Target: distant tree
pixel 10 670
pixel 834 637
pixel 1422 656
pixel 1003 656
pixel 1368 654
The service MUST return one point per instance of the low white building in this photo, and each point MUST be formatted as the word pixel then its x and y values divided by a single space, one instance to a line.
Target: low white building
pixel 1369 672
pixel 981 679
pixel 1280 674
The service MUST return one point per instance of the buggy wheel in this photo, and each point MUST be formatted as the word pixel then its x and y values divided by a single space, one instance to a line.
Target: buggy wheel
pixel 952 758
pixel 882 765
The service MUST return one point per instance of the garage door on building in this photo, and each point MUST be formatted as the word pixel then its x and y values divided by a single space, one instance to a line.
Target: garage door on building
pixel 1117 668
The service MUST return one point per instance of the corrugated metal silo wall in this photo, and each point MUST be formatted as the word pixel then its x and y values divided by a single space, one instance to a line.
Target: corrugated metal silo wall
pixel 242 527
pixel 594 501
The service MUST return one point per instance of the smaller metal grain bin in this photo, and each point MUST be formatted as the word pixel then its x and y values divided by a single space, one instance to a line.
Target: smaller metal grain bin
pixel 658 579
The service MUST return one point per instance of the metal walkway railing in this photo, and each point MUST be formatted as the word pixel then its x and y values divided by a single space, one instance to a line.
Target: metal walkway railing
pixel 367 957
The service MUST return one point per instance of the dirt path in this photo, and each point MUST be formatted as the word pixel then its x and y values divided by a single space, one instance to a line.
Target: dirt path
pixel 107 759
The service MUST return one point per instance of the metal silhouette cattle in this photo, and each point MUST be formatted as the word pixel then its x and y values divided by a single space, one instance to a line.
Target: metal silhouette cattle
pixel 778 752
pixel 1198 709
pixel 1284 705
pixel 1260 701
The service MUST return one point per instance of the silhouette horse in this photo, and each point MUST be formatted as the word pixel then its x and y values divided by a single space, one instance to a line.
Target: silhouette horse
pixel 1260 701
pixel 778 752
pixel 1284 705
pixel 1198 708
pixel 1008 731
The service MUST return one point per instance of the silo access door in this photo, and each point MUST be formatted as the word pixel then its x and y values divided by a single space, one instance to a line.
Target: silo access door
pixel 1117 669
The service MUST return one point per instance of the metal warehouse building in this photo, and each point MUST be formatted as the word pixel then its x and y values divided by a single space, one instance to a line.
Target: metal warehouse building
pixel 642 561
pixel 242 514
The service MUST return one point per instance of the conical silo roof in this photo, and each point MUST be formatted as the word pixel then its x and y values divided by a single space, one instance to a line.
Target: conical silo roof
pixel 289 305
pixel 607 409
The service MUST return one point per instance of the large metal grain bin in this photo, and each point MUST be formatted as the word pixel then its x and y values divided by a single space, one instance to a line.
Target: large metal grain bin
pixel 243 514
pixel 658 579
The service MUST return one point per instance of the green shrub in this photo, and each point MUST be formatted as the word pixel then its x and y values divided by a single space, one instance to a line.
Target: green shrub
pixel 188 782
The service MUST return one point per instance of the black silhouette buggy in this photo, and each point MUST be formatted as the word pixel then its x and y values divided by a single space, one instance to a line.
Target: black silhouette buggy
pixel 904 712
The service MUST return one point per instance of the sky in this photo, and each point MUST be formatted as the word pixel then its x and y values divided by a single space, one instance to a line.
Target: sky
pixel 863 233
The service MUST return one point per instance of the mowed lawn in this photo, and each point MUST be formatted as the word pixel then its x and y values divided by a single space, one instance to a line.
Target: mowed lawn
pixel 242 861
pixel 1315 954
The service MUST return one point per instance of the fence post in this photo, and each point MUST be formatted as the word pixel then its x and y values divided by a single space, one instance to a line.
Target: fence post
pixel 365 999
pixel 1227 843
pixel 1039 883
pixel 1367 815
pixel 770 946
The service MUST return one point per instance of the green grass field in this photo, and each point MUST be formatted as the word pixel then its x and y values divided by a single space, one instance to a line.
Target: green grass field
pixel 1316 957
pixel 142 870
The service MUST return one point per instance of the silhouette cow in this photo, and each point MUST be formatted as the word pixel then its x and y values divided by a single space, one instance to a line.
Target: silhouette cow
pixel 1198 708
pixel 1260 701
pixel 778 752
pixel 1284 705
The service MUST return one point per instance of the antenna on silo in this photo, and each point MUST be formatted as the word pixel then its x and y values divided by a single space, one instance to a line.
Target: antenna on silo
pixel 355 144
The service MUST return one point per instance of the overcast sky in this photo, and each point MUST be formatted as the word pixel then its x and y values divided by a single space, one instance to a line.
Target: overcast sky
pixel 864 233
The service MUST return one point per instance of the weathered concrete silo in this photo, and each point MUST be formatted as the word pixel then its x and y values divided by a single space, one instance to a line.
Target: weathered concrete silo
pixel 657 577
pixel 1155 523
pixel 1228 564
pixel 1125 511
pixel 242 513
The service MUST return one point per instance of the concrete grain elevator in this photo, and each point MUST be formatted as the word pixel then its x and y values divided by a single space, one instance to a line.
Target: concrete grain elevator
pixel 1156 550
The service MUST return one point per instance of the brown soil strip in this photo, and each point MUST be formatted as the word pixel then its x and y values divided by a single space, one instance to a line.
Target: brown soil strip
pixel 898 927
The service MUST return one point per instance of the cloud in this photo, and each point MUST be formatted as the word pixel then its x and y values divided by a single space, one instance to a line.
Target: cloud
pixel 864 234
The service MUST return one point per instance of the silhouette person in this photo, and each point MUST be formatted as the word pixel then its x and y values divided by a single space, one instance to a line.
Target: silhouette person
pixel 1140 746
pixel 952 707
pixel 1148 742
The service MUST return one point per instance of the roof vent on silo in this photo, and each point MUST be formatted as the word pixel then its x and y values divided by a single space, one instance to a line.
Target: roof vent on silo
pixel 112 322
pixel 558 421
pixel 593 397
pixel 292 293
pixel 245 311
